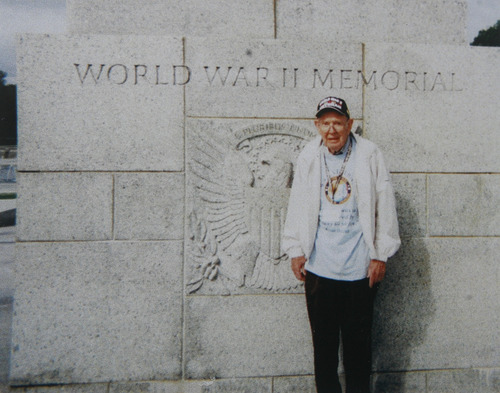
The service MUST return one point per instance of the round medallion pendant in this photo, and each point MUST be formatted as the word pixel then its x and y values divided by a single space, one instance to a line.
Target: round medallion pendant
pixel 341 194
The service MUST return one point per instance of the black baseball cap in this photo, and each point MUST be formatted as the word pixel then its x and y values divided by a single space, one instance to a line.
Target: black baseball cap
pixel 332 104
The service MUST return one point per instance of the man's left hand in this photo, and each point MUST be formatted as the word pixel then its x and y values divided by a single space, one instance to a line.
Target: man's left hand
pixel 376 272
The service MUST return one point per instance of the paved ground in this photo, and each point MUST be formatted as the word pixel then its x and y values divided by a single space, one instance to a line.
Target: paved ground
pixel 6 298
pixel 7 245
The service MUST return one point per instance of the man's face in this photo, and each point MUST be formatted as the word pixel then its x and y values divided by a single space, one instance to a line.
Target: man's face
pixel 334 128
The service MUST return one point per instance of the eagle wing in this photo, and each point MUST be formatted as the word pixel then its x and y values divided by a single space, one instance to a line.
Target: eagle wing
pixel 221 176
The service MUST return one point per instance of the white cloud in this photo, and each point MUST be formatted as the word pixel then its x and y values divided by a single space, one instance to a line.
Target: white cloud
pixel 482 14
pixel 41 17
pixel 27 16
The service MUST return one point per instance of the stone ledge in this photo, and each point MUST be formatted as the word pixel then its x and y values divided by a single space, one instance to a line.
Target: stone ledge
pixel 425 381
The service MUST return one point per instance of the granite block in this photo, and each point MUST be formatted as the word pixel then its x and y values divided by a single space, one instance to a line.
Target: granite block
pixel 6 265
pixel 477 381
pixel 239 18
pixel 410 191
pixel 64 206
pixel 267 79
pixel 149 206
pixel 243 336
pixel 406 382
pixel 97 312
pixel 242 385
pixel 433 108
pixel 437 305
pixel 86 388
pixel 100 103
pixel 464 205
pixel 5 338
pixel 302 384
pixel 426 21
pixel 157 387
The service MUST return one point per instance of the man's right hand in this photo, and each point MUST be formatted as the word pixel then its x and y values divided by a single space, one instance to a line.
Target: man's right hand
pixel 298 267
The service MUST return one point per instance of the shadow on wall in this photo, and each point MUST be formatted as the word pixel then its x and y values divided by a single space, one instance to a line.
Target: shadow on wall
pixel 404 307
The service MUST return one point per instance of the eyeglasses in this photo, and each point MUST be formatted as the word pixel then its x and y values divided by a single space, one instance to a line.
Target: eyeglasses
pixel 337 125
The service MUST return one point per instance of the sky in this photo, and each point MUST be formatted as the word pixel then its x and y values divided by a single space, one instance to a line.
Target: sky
pixel 49 16
pixel 26 16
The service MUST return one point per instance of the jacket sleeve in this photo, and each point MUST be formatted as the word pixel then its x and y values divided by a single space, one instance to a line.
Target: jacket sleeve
pixel 291 240
pixel 387 239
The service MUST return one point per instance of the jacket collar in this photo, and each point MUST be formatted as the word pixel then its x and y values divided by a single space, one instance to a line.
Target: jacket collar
pixel 315 145
pixel 318 141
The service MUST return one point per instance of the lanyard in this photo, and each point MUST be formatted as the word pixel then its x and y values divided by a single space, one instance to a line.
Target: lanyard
pixel 342 169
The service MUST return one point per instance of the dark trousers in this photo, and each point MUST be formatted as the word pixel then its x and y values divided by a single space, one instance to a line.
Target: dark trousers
pixel 342 308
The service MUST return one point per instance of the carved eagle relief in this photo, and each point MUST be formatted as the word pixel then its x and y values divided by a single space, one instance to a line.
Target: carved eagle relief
pixel 241 190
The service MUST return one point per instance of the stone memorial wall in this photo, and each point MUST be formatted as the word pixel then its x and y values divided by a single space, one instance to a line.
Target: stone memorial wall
pixel 157 144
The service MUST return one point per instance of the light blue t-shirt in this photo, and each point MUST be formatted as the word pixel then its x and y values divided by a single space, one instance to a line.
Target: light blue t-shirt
pixel 340 252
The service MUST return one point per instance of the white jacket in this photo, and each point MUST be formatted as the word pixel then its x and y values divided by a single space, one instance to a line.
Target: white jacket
pixel 374 194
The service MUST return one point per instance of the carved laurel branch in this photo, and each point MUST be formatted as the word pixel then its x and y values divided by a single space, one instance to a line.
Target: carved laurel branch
pixel 204 252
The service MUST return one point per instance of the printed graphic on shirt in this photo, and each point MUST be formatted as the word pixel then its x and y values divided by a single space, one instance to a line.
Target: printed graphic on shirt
pixel 345 221
pixel 341 194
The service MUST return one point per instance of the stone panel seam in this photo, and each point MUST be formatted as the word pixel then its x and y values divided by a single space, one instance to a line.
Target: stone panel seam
pixel 434 370
pixel 445 173
pixel 183 302
pixel 101 241
pixel 427 230
pixel 24 388
pixel 462 173
pixel 235 295
pixel 463 237
pixel 117 171
pixel 252 118
pixel 409 237
pixel 21 241
pixel 310 119
pixel 363 89
pixel 111 171
pixel 113 208
pixel 275 12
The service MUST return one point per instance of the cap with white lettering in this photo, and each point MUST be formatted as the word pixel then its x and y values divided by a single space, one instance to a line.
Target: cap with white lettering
pixel 332 104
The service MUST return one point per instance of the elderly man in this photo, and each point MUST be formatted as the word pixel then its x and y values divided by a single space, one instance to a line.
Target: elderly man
pixel 341 228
